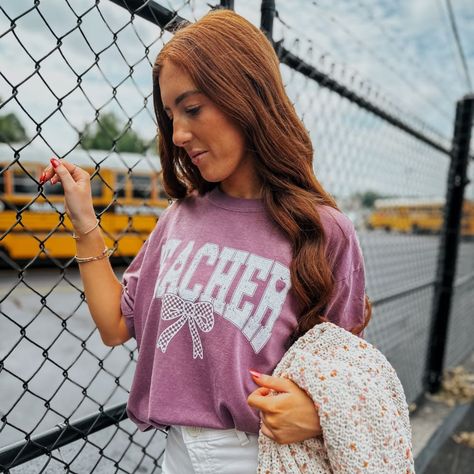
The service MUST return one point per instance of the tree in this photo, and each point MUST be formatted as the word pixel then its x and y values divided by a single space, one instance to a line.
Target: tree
pixel 11 129
pixel 108 130
pixel 368 198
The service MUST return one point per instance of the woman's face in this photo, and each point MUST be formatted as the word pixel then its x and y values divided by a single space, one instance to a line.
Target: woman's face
pixel 213 142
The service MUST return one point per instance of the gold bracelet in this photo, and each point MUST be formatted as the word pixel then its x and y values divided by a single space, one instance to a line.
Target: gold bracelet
pixel 106 253
pixel 77 237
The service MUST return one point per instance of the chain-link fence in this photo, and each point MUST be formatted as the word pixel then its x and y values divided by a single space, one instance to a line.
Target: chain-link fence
pixel 81 90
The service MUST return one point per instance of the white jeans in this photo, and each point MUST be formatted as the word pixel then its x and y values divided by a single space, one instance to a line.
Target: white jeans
pixel 194 450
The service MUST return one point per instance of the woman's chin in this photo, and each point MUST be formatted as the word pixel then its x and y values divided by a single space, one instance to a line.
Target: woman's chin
pixel 210 178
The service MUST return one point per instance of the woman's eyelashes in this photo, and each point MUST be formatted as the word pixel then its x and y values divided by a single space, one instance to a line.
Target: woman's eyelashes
pixel 193 111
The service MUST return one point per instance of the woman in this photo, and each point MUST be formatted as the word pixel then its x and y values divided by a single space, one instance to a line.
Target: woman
pixel 250 256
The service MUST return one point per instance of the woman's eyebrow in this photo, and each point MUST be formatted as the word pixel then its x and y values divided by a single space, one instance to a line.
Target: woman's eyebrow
pixel 183 96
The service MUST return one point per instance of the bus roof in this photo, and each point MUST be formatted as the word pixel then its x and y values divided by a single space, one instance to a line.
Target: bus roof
pixel 408 202
pixel 123 161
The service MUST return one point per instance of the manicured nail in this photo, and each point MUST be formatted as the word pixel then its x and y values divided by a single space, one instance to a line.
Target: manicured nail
pixel 54 162
pixel 42 178
pixel 255 373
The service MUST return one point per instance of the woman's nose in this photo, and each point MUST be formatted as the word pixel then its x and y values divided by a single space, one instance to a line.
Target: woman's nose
pixel 181 134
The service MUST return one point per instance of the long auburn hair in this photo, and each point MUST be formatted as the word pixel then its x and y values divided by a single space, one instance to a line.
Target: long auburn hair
pixel 233 63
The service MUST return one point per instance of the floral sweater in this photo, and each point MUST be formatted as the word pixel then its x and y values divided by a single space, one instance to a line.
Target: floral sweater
pixel 361 403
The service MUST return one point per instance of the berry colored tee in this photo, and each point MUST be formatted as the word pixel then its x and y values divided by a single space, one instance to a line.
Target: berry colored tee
pixel 208 298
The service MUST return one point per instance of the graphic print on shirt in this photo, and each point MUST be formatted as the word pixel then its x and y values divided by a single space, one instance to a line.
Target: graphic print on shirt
pixel 194 306
pixel 195 314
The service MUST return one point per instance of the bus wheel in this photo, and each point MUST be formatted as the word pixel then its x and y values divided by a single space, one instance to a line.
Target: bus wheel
pixel 415 229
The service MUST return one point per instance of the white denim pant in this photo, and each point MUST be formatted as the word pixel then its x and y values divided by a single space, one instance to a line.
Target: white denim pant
pixel 194 450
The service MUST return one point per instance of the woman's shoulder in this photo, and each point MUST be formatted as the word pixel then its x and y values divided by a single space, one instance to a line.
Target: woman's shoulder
pixel 342 244
pixel 335 223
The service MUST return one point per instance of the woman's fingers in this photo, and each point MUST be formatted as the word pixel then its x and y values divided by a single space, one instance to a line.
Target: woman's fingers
pixel 47 174
pixel 267 431
pixel 259 398
pixel 77 192
pixel 77 173
pixel 59 170
pixel 66 179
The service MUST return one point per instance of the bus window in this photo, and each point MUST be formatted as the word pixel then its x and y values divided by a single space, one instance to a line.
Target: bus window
pixel 97 186
pixel 161 190
pixel 141 186
pixel 52 189
pixel 120 182
pixel 23 184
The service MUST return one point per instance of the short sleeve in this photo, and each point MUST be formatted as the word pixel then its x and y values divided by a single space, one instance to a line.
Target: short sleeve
pixel 346 307
pixel 132 276
pixel 130 280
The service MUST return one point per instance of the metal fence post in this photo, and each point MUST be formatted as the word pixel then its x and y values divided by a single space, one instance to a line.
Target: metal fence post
pixel 266 21
pixel 229 4
pixel 457 180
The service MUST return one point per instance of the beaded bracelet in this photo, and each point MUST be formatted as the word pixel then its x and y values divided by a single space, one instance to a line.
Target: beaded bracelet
pixel 106 253
pixel 77 237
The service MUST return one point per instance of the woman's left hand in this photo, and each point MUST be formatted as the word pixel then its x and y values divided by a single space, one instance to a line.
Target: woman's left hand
pixel 287 417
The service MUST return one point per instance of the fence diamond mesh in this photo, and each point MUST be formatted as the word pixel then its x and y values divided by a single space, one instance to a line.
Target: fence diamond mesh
pixel 81 90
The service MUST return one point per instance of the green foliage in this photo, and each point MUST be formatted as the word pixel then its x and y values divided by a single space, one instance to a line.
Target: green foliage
pixel 108 130
pixel 11 129
pixel 368 198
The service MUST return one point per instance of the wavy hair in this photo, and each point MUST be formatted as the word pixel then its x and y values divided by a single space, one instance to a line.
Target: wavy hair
pixel 233 63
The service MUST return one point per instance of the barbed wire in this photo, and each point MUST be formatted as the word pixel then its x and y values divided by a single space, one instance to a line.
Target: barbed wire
pixel 330 18
pixel 398 46
pixel 353 78
pixel 460 49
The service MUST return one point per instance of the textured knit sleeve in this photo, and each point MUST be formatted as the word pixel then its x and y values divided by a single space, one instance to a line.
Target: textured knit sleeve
pixel 130 280
pixel 361 404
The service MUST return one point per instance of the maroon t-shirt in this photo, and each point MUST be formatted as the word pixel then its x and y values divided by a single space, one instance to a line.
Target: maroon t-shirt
pixel 208 298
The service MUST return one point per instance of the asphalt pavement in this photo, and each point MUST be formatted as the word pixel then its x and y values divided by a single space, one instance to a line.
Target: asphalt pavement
pixel 52 351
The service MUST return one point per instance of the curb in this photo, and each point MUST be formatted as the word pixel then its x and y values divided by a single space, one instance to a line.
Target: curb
pixel 440 436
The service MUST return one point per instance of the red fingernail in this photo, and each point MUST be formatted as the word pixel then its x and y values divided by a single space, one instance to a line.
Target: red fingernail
pixel 54 162
pixel 42 178
pixel 255 373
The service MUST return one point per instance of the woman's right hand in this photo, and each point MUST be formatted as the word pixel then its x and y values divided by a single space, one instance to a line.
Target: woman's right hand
pixel 77 192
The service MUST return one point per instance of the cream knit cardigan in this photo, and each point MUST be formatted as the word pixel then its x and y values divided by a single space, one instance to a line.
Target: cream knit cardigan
pixel 361 404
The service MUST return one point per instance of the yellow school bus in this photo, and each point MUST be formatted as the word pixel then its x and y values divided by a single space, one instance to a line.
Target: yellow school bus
pixel 127 194
pixel 417 216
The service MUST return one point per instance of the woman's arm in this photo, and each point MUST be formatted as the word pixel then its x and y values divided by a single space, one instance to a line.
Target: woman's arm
pixel 290 416
pixel 102 288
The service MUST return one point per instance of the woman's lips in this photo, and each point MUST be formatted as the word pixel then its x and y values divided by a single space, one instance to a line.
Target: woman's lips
pixel 197 158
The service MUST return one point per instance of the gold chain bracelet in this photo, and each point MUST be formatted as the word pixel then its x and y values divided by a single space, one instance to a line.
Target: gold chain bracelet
pixel 77 237
pixel 106 253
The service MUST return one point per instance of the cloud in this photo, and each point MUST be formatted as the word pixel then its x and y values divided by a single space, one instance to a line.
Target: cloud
pixel 82 71
pixel 403 51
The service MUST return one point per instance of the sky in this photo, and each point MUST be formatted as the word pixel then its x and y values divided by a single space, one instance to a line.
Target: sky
pixel 399 55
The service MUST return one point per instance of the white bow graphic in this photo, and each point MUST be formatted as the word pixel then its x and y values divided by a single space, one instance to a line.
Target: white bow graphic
pixel 199 314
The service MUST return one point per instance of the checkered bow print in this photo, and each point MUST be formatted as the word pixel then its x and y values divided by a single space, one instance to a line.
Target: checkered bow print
pixel 197 315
